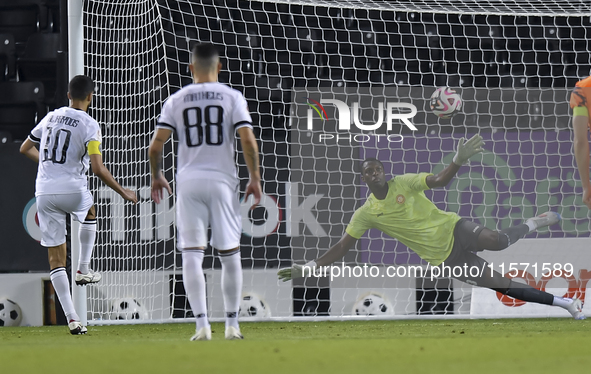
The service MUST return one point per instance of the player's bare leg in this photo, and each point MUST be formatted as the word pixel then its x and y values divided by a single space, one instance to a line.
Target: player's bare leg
pixel 232 290
pixel 61 284
pixel 194 282
pixel 87 235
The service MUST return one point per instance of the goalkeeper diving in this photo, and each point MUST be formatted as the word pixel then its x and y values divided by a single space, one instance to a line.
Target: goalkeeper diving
pixel 399 208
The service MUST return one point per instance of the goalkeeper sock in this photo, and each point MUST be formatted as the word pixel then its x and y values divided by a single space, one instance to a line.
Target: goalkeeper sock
pixel 87 235
pixel 231 285
pixel 194 282
pixel 61 285
pixel 530 294
pixel 562 302
pixel 530 225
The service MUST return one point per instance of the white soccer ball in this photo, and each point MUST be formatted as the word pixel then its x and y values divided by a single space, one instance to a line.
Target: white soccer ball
pixel 373 304
pixel 128 308
pixel 445 102
pixel 10 313
pixel 252 305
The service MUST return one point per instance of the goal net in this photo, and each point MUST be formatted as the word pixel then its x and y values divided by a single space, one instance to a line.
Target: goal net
pixel 512 62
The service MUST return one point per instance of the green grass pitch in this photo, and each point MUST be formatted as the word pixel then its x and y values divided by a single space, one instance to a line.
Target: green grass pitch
pixel 409 346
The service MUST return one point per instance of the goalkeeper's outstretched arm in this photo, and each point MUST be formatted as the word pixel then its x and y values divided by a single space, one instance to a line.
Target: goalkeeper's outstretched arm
pixel 465 150
pixel 442 178
pixel 335 253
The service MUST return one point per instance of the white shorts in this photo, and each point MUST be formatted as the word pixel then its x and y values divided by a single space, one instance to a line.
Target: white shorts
pixel 201 203
pixel 52 209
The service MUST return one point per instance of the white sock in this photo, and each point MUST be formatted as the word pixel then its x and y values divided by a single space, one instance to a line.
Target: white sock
pixel 562 302
pixel 61 285
pixel 231 286
pixel 531 225
pixel 87 236
pixel 194 282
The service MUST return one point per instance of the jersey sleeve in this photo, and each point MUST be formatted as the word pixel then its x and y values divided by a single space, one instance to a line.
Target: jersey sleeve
pixel 579 97
pixel 359 224
pixel 241 114
pixel 37 131
pixel 93 148
pixel 94 138
pixel 94 133
pixel 166 119
pixel 413 182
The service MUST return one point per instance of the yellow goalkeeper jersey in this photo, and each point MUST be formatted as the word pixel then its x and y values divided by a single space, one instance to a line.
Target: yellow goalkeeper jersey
pixel 407 215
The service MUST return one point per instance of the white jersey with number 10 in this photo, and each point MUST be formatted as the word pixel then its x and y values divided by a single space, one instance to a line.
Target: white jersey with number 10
pixel 63 137
pixel 205 117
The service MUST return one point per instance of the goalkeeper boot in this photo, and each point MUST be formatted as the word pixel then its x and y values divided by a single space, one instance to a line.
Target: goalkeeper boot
pixel 77 328
pixel 88 278
pixel 576 309
pixel 544 219
pixel 232 333
pixel 203 333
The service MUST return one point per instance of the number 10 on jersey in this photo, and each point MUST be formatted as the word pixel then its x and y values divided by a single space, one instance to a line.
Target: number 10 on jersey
pixel 51 155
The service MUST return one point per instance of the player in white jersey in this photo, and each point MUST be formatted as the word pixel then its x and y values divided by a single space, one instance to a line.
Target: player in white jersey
pixel 205 116
pixel 68 139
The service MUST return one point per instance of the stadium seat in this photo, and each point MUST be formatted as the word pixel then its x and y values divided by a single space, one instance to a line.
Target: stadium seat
pixel 268 88
pixel 39 63
pixel 21 107
pixel 382 77
pixel 7 57
pixel 22 18
pixel 201 14
pixel 5 137
pixel 53 15
pixel 299 39
pixel 216 37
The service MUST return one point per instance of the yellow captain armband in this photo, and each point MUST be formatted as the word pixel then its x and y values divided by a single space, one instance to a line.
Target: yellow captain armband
pixel 93 147
pixel 580 111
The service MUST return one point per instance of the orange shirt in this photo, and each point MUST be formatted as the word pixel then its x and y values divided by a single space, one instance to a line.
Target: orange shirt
pixel 584 82
pixel 581 95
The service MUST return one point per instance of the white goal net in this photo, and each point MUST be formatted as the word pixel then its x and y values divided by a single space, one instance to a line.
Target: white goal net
pixel 513 63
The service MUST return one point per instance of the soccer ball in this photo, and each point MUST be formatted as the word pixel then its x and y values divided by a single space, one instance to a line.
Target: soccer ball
pixel 252 305
pixel 373 304
pixel 10 313
pixel 445 102
pixel 128 308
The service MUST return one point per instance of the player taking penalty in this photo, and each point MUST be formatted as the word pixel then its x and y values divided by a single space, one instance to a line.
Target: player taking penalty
pixel 399 208
pixel 68 140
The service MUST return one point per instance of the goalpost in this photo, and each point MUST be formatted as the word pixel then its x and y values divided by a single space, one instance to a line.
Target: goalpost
pixel 513 62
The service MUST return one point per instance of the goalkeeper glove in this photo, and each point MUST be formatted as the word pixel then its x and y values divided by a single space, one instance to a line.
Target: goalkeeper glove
pixel 467 149
pixel 296 271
